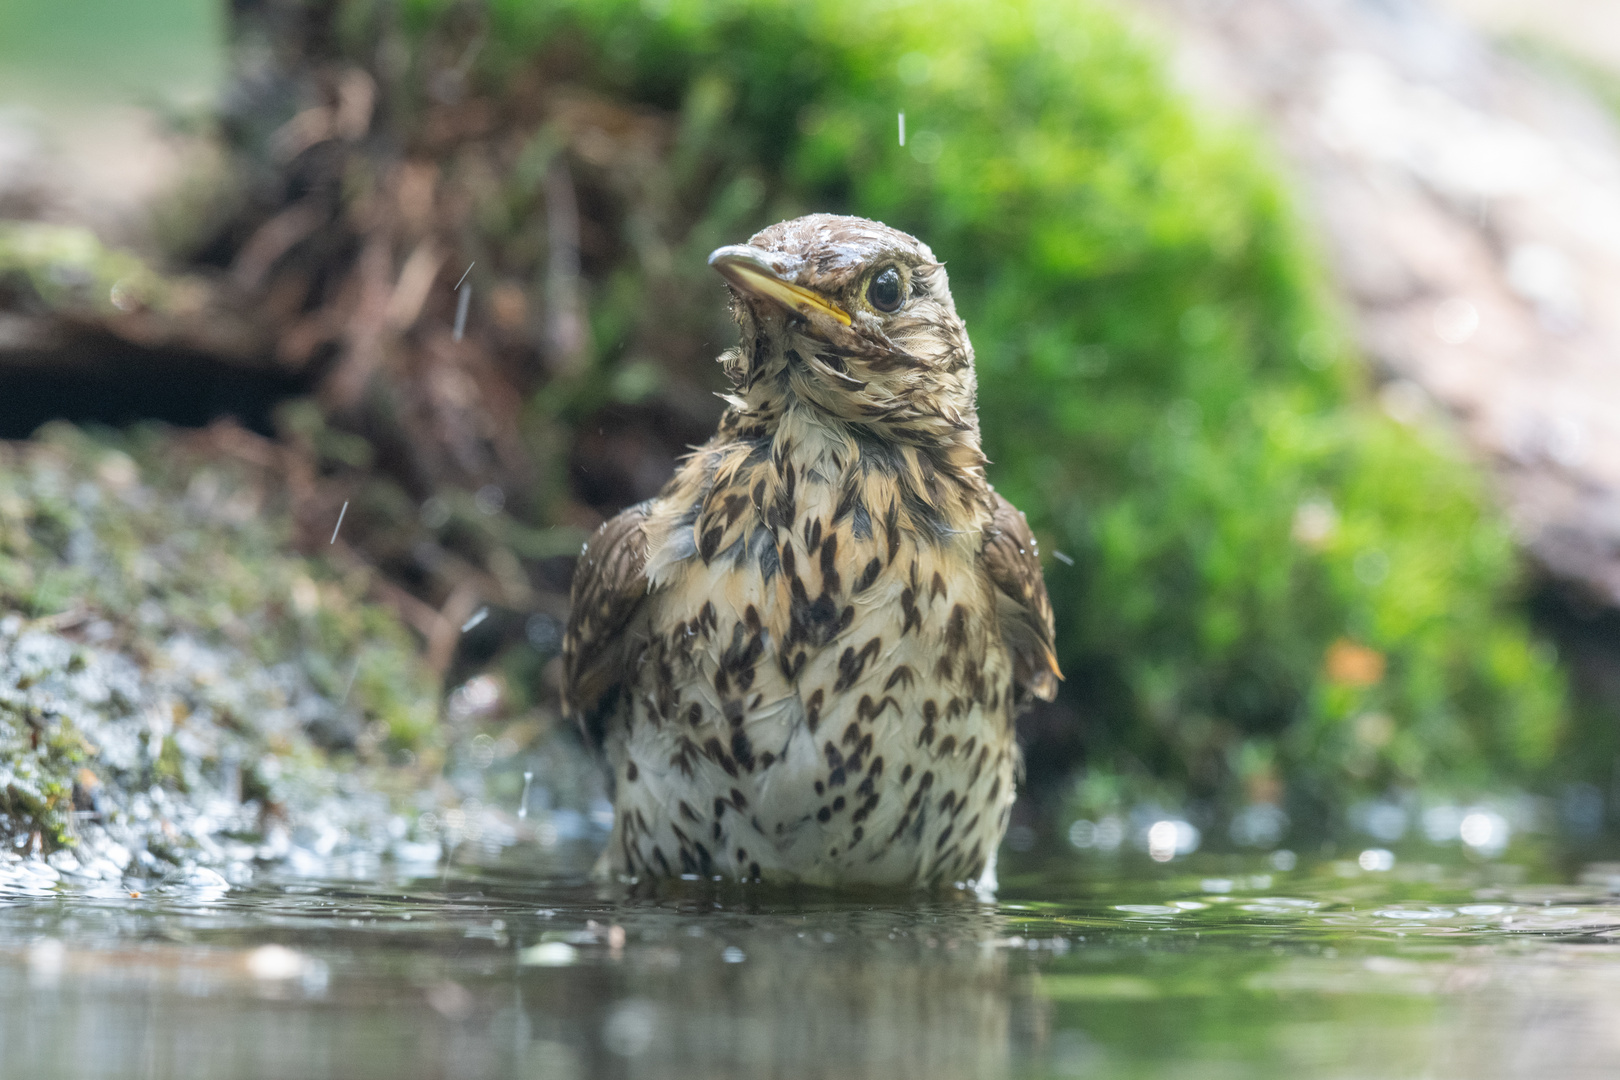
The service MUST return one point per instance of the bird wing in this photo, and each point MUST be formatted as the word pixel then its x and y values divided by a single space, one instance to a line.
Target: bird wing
pixel 610 583
pixel 1012 562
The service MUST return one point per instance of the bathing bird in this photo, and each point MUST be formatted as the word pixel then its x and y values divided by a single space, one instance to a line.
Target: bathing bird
pixel 803 659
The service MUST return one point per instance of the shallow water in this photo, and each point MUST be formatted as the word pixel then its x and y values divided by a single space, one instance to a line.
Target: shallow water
pixel 1196 969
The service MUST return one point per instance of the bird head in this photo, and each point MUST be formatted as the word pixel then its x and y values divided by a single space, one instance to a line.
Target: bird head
pixel 855 320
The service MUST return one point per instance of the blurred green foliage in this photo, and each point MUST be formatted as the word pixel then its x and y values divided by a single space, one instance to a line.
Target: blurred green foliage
pixel 92 52
pixel 1275 586
pixel 67 267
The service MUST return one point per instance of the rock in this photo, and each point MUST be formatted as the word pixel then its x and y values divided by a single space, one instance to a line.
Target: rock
pixel 166 660
pixel 1471 206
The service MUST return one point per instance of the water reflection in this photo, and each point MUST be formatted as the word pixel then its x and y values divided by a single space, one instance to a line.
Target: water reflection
pixel 492 972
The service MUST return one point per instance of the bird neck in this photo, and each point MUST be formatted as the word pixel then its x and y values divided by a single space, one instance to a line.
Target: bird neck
pixel 942 489
pixel 805 432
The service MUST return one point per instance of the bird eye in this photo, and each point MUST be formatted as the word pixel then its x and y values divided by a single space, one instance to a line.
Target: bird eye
pixel 884 292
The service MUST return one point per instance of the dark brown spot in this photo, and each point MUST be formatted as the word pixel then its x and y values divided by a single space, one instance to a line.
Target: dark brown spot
pixel 852 664
pixel 829 566
pixel 742 750
pixel 913 616
pixel 848 499
pixel 631 772
pixel 717 754
pixel 956 629
pixel 710 543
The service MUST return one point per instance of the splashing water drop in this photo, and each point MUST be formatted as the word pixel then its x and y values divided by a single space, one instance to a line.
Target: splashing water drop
pixel 523 803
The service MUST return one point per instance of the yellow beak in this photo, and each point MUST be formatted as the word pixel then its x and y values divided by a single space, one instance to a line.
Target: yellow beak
pixel 748 272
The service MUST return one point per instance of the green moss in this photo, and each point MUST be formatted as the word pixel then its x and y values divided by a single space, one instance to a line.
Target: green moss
pixel 66 266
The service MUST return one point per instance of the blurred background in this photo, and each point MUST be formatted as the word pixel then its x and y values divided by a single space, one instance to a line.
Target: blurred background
pixel 1294 323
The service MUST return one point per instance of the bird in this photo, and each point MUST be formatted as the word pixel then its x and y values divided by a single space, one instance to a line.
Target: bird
pixel 803 659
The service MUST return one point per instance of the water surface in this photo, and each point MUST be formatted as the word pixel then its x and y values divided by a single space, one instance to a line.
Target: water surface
pixel 1205 970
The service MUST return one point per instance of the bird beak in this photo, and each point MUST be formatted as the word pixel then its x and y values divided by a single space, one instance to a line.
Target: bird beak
pixel 749 272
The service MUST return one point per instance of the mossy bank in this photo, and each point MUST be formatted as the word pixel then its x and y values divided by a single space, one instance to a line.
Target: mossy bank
pixel 178 687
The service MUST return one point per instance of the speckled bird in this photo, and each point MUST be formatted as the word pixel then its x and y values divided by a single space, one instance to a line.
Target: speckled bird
pixel 803 659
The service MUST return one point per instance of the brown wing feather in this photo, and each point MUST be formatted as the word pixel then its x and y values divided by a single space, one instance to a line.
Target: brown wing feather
pixel 609 584
pixel 1013 564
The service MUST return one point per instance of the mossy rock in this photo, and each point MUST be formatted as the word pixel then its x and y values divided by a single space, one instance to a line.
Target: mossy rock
pixel 174 678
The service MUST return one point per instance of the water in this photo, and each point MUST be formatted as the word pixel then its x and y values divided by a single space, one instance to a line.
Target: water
pixel 1203 969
